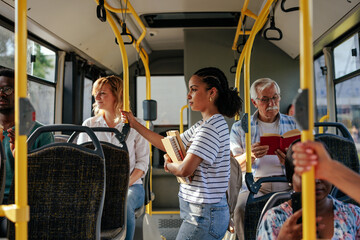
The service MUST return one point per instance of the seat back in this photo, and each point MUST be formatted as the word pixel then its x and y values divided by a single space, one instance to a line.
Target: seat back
pixel 335 143
pixel 235 183
pixel 66 188
pixel 275 200
pixel 113 221
pixel 2 173
pixel 254 205
pixel 344 151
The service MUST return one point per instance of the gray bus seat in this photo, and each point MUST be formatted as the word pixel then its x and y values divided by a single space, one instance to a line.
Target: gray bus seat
pixel 255 205
pixel 3 221
pixel 66 188
pixel 2 173
pixel 342 149
pixel 113 221
pixel 275 200
pixel 235 183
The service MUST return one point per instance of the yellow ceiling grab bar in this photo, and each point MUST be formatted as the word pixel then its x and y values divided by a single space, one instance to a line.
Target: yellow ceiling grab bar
pixel 131 10
pixel 244 12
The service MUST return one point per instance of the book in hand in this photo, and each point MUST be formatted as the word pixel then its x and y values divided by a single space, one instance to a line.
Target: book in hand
pixel 175 149
pixel 277 141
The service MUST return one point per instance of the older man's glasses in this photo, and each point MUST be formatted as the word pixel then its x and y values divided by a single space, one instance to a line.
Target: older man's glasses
pixel 6 90
pixel 267 99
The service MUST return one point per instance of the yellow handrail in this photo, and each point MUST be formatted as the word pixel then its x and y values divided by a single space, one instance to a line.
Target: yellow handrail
pixel 181 128
pixel 254 30
pixel 260 21
pixel 131 10
pixel 144 58
pixel 19 212
pixel 306 82
pixel 244 12
pixel 126 103
pixel 323 119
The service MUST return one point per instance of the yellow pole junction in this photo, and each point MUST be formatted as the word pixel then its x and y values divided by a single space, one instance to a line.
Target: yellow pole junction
pixel 19 212
pixel 247 12
pixel 306 82
pixel 244 12
pixel 131 10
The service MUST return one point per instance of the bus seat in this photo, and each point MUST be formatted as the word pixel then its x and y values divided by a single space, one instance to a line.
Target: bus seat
pixel 2 173
pixel 61 138
pixel 113 221
pixel 254 205
pixel 66 188
pixel 275 200
pixel 235 183
pixel 343 150
pixel 3 221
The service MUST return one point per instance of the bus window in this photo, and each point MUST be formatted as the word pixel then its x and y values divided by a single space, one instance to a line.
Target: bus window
pixel 320 86
pixel 7 48
pixel 346 56
pixel 42 98
pixel 87 99
pixel 41 61
pixel 169 92
pixel 348 106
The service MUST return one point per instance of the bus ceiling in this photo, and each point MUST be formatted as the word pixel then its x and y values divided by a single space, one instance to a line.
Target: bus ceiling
pixel 62 27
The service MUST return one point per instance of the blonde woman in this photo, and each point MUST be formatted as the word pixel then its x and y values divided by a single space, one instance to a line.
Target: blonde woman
pixel 108 94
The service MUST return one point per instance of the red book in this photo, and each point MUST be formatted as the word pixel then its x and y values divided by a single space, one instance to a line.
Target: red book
pixel 277 141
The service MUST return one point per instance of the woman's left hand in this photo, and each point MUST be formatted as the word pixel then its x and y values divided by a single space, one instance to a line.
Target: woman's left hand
pixel 167 160
pixel 290 229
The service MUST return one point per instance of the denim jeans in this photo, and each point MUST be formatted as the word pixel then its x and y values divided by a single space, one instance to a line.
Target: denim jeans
pixel 135 199
pixel 203 221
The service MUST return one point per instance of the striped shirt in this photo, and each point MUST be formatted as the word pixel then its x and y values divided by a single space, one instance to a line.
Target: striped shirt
pixel 237 138
pixel 208 140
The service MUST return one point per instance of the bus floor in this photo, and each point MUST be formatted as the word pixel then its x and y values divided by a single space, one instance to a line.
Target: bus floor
pixel 166 224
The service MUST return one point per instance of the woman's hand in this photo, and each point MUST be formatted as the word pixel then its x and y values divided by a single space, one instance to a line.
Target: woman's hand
pixel 258 151
pixel 310 154
pixel 129 117
pixel 290 229
pixel 167 160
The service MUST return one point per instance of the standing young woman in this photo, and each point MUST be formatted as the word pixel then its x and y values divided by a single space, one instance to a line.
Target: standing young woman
pixel 108 94
pixel 203 205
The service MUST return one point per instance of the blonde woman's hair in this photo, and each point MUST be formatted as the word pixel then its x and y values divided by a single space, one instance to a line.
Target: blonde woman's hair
pixel 116 86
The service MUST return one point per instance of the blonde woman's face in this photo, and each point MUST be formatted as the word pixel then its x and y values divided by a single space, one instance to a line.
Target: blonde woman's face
pixel 105 99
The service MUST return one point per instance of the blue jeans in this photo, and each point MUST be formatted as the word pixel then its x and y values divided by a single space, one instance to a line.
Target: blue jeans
pixel 135 199
pixel 203 221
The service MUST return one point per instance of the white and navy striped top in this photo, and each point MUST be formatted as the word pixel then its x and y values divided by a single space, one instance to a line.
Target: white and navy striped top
pixel 210 141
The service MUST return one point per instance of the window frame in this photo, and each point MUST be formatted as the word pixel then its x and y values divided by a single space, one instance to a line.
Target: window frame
pixel 9 25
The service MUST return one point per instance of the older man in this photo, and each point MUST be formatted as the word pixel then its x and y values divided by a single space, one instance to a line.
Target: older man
pixel 265 95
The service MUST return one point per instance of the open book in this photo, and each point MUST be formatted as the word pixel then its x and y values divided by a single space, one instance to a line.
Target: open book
pixel 277 141
pixel 175 149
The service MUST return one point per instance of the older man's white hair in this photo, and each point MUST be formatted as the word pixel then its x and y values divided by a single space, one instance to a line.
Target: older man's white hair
pixel 261 84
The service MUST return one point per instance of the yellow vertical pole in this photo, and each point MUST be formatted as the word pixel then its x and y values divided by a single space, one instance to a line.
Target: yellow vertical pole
pixel 126 102
pixel 181 118
pixel 145 61
pixel 260 21
pixel 306 82
pixel 20 140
